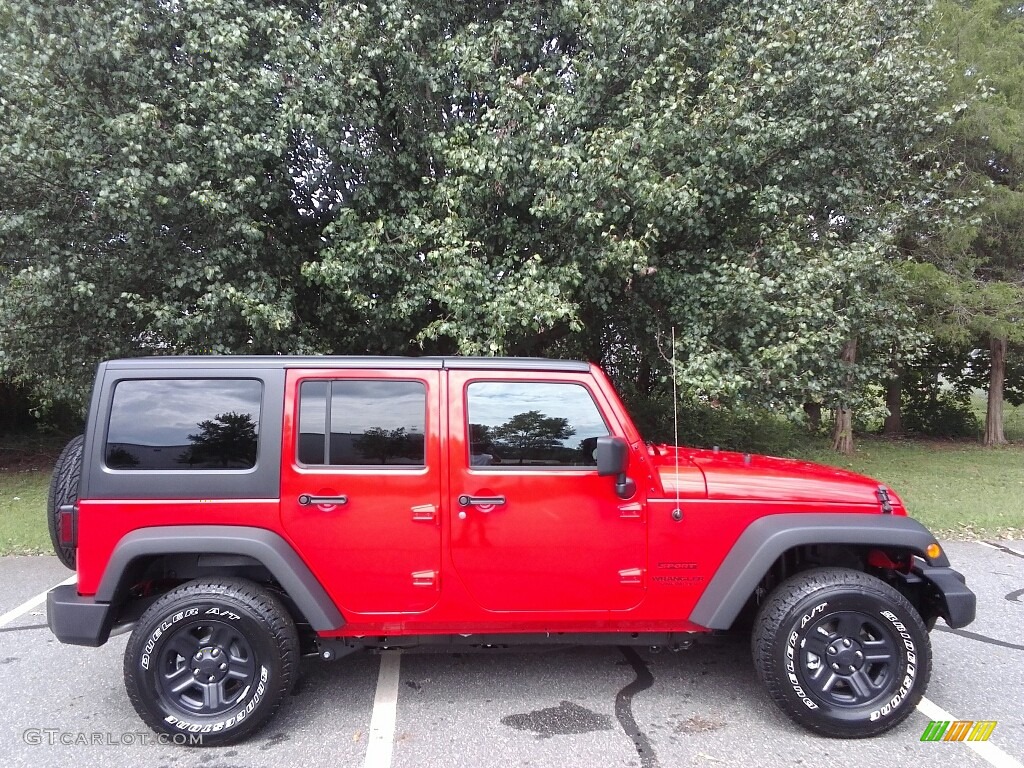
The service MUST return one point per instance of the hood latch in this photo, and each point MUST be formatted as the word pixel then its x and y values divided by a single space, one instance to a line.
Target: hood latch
pixel 883 496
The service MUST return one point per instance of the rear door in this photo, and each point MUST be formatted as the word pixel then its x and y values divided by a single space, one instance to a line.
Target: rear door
pixel 533 526
pixel 361 484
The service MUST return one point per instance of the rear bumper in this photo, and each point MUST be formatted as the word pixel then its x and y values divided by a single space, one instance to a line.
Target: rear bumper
pixel 955 602
pixel 76 619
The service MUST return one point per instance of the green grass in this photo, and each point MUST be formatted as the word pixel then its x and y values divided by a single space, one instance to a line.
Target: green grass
pixel 23 527
pixel 26 460
pixel 959 490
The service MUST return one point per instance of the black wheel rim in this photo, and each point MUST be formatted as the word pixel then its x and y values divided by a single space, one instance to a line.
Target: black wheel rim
pixel 205 668
pixel 848 659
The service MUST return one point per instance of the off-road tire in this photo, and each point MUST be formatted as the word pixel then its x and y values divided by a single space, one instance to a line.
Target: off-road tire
pixel 211 661
pixel 841 652
pixel 67 473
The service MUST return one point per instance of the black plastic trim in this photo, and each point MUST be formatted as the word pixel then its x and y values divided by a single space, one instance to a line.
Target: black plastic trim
pixel 959 603
pixel 266 547
pixel 764 540
pixel 235 363
pixel 515 364
pixel 261 482
pixel 77 620
pixel 675 640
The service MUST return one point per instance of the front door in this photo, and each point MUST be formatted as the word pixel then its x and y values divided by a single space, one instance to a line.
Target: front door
pixel 533 526
pixel 361 485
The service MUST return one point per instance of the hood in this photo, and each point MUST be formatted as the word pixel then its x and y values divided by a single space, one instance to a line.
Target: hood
pixel 729 475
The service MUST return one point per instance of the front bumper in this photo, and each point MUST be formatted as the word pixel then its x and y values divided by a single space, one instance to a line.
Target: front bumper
pixel 76 619
pixel 953 601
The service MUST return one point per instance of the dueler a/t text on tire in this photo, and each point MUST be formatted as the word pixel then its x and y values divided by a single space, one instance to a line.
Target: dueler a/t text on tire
pixel 841 652
pixel 67 473
pixel 209 662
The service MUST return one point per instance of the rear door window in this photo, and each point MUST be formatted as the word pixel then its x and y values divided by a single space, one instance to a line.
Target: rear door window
pixel 362 422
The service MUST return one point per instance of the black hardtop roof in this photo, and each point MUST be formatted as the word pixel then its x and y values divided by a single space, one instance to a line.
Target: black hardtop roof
pixel 189 362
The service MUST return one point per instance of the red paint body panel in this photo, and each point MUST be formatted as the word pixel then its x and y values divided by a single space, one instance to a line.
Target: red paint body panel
pixel 103 523
pixel 365 553
pixel 560 541
pixel 749 477
pixel 562 554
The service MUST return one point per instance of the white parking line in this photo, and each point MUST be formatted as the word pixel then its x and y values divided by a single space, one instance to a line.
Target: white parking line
pixel 385 711
pixel 989 752
pixel 31 603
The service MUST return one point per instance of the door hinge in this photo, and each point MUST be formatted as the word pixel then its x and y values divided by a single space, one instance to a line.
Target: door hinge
pixel 426 512
pixel 424 578
pixel 631 576
pixel 631 511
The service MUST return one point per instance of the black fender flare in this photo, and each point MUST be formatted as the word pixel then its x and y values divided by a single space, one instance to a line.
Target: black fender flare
pixel 262 545
pixel 764 540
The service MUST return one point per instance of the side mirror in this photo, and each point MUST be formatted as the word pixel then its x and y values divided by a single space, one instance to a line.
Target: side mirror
pixel 612 455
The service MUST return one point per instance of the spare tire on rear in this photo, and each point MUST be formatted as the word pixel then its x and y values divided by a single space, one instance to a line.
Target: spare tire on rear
pixel 64 490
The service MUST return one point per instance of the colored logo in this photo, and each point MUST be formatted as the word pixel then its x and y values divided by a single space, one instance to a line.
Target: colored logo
pixel 958 730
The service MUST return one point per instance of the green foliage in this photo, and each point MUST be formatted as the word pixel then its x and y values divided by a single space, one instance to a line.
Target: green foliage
pixel 936 397
pixel 702 425
pixel 940 414
pixel 561 178
pixel 976 366
pixel 144 165
pixel 969 288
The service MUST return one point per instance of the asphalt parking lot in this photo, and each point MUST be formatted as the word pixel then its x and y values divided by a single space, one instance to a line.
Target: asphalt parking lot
pixel 560 707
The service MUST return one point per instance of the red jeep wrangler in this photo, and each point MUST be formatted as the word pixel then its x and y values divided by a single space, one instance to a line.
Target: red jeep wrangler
pixel 241 511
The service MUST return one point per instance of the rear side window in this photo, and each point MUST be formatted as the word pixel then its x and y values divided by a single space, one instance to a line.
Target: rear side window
pixel 201 424
pixel 366 422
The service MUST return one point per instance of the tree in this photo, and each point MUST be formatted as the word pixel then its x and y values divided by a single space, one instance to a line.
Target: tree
pixel 383 444
pixel 971 286
pixel 568 179
pixel 229 440
pixel 148 171
pixel 531 434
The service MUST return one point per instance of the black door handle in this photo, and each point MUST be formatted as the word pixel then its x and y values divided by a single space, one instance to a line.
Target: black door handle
pixel 466 500
pixel 306 500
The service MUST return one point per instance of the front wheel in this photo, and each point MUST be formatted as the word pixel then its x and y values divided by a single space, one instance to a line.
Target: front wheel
pixel 211 661
pixel 841 652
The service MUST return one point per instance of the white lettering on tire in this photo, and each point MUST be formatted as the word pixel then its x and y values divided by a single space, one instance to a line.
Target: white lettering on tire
pixel 909 678
pixel 906 685
pixel 791 654
pixel 236 719
pixel 147 650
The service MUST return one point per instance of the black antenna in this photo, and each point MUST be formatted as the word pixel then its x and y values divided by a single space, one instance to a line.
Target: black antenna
pixel 677 513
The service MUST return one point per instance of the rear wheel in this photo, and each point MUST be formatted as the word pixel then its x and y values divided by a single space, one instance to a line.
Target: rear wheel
pixel 67 473
pixel 211 661
pixel 841 652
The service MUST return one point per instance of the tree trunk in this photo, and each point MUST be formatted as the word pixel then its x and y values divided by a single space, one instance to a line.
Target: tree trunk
pixel 893 425
pixel 842 435
pixel 813 411
pixel 994 416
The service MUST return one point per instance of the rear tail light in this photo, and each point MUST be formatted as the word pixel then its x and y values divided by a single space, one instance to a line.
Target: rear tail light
pixel 68 525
